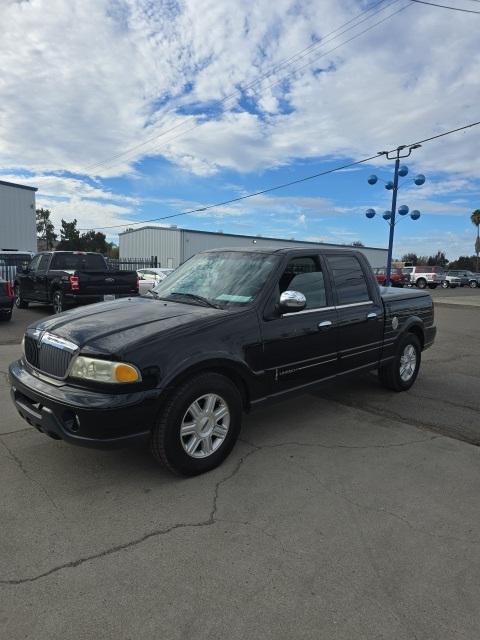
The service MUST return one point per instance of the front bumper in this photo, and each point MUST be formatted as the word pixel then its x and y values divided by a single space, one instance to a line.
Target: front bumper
pixel 79 416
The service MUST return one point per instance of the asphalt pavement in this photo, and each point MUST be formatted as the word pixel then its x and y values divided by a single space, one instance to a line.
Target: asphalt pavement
pixel 348 513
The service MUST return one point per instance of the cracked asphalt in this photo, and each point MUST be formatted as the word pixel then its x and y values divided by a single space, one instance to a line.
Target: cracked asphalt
pixel 351 512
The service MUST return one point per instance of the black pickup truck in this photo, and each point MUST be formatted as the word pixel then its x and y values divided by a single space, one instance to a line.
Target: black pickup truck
pixel 68 278
pixel 226 332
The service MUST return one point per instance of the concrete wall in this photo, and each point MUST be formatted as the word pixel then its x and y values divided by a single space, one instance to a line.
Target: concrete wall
pixel 17 218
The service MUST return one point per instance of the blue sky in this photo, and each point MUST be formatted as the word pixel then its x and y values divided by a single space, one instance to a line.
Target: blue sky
pixel 124 110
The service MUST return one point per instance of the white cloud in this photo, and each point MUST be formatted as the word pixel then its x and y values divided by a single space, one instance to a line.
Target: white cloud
pixel 85 80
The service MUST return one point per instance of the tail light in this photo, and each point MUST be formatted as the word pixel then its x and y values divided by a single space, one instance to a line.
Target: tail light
pixel 74 283
pixel 9 290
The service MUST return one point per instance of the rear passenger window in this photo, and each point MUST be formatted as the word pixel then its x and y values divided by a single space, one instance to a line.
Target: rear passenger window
pixel 43 265
pixel 349 279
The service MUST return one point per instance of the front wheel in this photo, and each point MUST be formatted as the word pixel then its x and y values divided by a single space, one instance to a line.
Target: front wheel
pixel 421 283
pixel 401 372
pixel 446 284
pixel 20 303
pixel 57 302
pixel 198 426
pixel 473 284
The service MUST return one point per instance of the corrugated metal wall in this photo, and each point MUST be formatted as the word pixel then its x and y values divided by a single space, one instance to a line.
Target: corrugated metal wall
pixel 193 242
pixel 174 246
pixel 144 243
pixel 17 218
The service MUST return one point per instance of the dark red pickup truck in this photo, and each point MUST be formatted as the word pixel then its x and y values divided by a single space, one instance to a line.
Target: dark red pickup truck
pixel 69 278
pixel 397 277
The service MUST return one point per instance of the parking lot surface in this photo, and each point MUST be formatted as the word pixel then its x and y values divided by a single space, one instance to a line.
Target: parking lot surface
pixel 351 512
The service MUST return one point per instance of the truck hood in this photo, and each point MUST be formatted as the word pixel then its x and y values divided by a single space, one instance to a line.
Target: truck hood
pixel 115 326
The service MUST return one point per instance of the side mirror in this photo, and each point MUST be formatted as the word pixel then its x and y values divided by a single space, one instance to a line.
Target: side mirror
pixel 291 301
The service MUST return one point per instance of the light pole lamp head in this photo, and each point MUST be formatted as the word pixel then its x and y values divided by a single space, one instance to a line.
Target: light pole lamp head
pixel 403 210
pixel 403 171
pixel 389 185
pixel 387 215
pixel 372 179
pixel 415 215
pixel 419 180
pixel 370 213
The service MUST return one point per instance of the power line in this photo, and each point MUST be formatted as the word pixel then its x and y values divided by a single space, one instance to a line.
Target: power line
pixel 279 67
pixel 285 184
pixel 444 6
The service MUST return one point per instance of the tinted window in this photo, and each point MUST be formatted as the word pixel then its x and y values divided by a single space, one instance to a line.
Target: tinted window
pixel 78 262
pixel 34 263
pixel 349 279
pixel 43 264
pixel 304 275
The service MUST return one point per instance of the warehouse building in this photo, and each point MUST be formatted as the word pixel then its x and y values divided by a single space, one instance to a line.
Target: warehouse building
pixel 18 230
pixel 172 246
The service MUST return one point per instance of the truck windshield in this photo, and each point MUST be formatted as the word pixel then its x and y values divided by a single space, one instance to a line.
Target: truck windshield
pixel 78 262
pixel 225 279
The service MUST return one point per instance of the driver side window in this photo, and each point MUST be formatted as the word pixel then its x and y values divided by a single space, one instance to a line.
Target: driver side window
pixel 305 275
pixel 34 263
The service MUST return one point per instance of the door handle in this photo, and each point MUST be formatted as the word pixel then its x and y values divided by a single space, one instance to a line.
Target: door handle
pixel 370 315
pixel 326 324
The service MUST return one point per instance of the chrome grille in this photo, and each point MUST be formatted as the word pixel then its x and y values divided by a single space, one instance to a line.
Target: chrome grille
pixel 53 360
pixel 49 354
pixel 31 350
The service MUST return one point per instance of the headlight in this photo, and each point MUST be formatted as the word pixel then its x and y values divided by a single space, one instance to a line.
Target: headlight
pixel 103 370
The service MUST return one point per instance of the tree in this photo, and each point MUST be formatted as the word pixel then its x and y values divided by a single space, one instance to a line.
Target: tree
pixel 439 260
pixel 357 243
pixel 410 257
pixel 70 237
pixel 463 262
pixel 45 228
pixel 94 241
pixel 475 219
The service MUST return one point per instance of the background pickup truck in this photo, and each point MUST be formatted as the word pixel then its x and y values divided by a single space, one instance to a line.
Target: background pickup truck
pixel 67 278
pixel 225 332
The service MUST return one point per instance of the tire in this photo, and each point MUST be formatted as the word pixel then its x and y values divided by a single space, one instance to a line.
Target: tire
pixel 58 303
pixel 7 315
pixel 446 284
pixel 167 444
pixel 20 303
pixel 473 284
pixel 390 375
pixel 421 283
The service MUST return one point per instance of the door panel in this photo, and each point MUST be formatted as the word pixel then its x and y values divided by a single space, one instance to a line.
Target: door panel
pixel 359 313
pixel 297 351
pixel 360 335
pixel 40 279
pixel 28 279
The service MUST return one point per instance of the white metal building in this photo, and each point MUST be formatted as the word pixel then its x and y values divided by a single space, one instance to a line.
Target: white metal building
pixel 172 246
pixel 17 217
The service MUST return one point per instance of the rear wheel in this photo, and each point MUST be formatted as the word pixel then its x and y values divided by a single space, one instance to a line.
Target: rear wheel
pixel 421 283
pixel 58 302
pixel 402 371
pixel 198 426
pixel 20 303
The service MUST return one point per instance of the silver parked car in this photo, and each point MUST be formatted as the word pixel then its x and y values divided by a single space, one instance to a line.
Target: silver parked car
pixel 149 278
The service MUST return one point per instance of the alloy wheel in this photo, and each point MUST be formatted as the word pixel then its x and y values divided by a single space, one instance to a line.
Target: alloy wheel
pixel 205 426
pixel 408 362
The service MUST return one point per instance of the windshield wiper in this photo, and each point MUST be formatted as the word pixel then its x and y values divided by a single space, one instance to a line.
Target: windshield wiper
pixel 193 296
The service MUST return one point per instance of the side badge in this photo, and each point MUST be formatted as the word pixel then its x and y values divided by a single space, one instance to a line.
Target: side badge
pixel 394 323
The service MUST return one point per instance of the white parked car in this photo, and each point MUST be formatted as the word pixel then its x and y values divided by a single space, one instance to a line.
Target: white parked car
pixel 425 276
pixel 148 278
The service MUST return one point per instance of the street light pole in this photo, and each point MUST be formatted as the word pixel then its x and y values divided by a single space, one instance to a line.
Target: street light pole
pixel 392 220
pixel 390 216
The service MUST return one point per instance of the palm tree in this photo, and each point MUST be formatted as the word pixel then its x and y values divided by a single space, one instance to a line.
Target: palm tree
pixel 475 218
